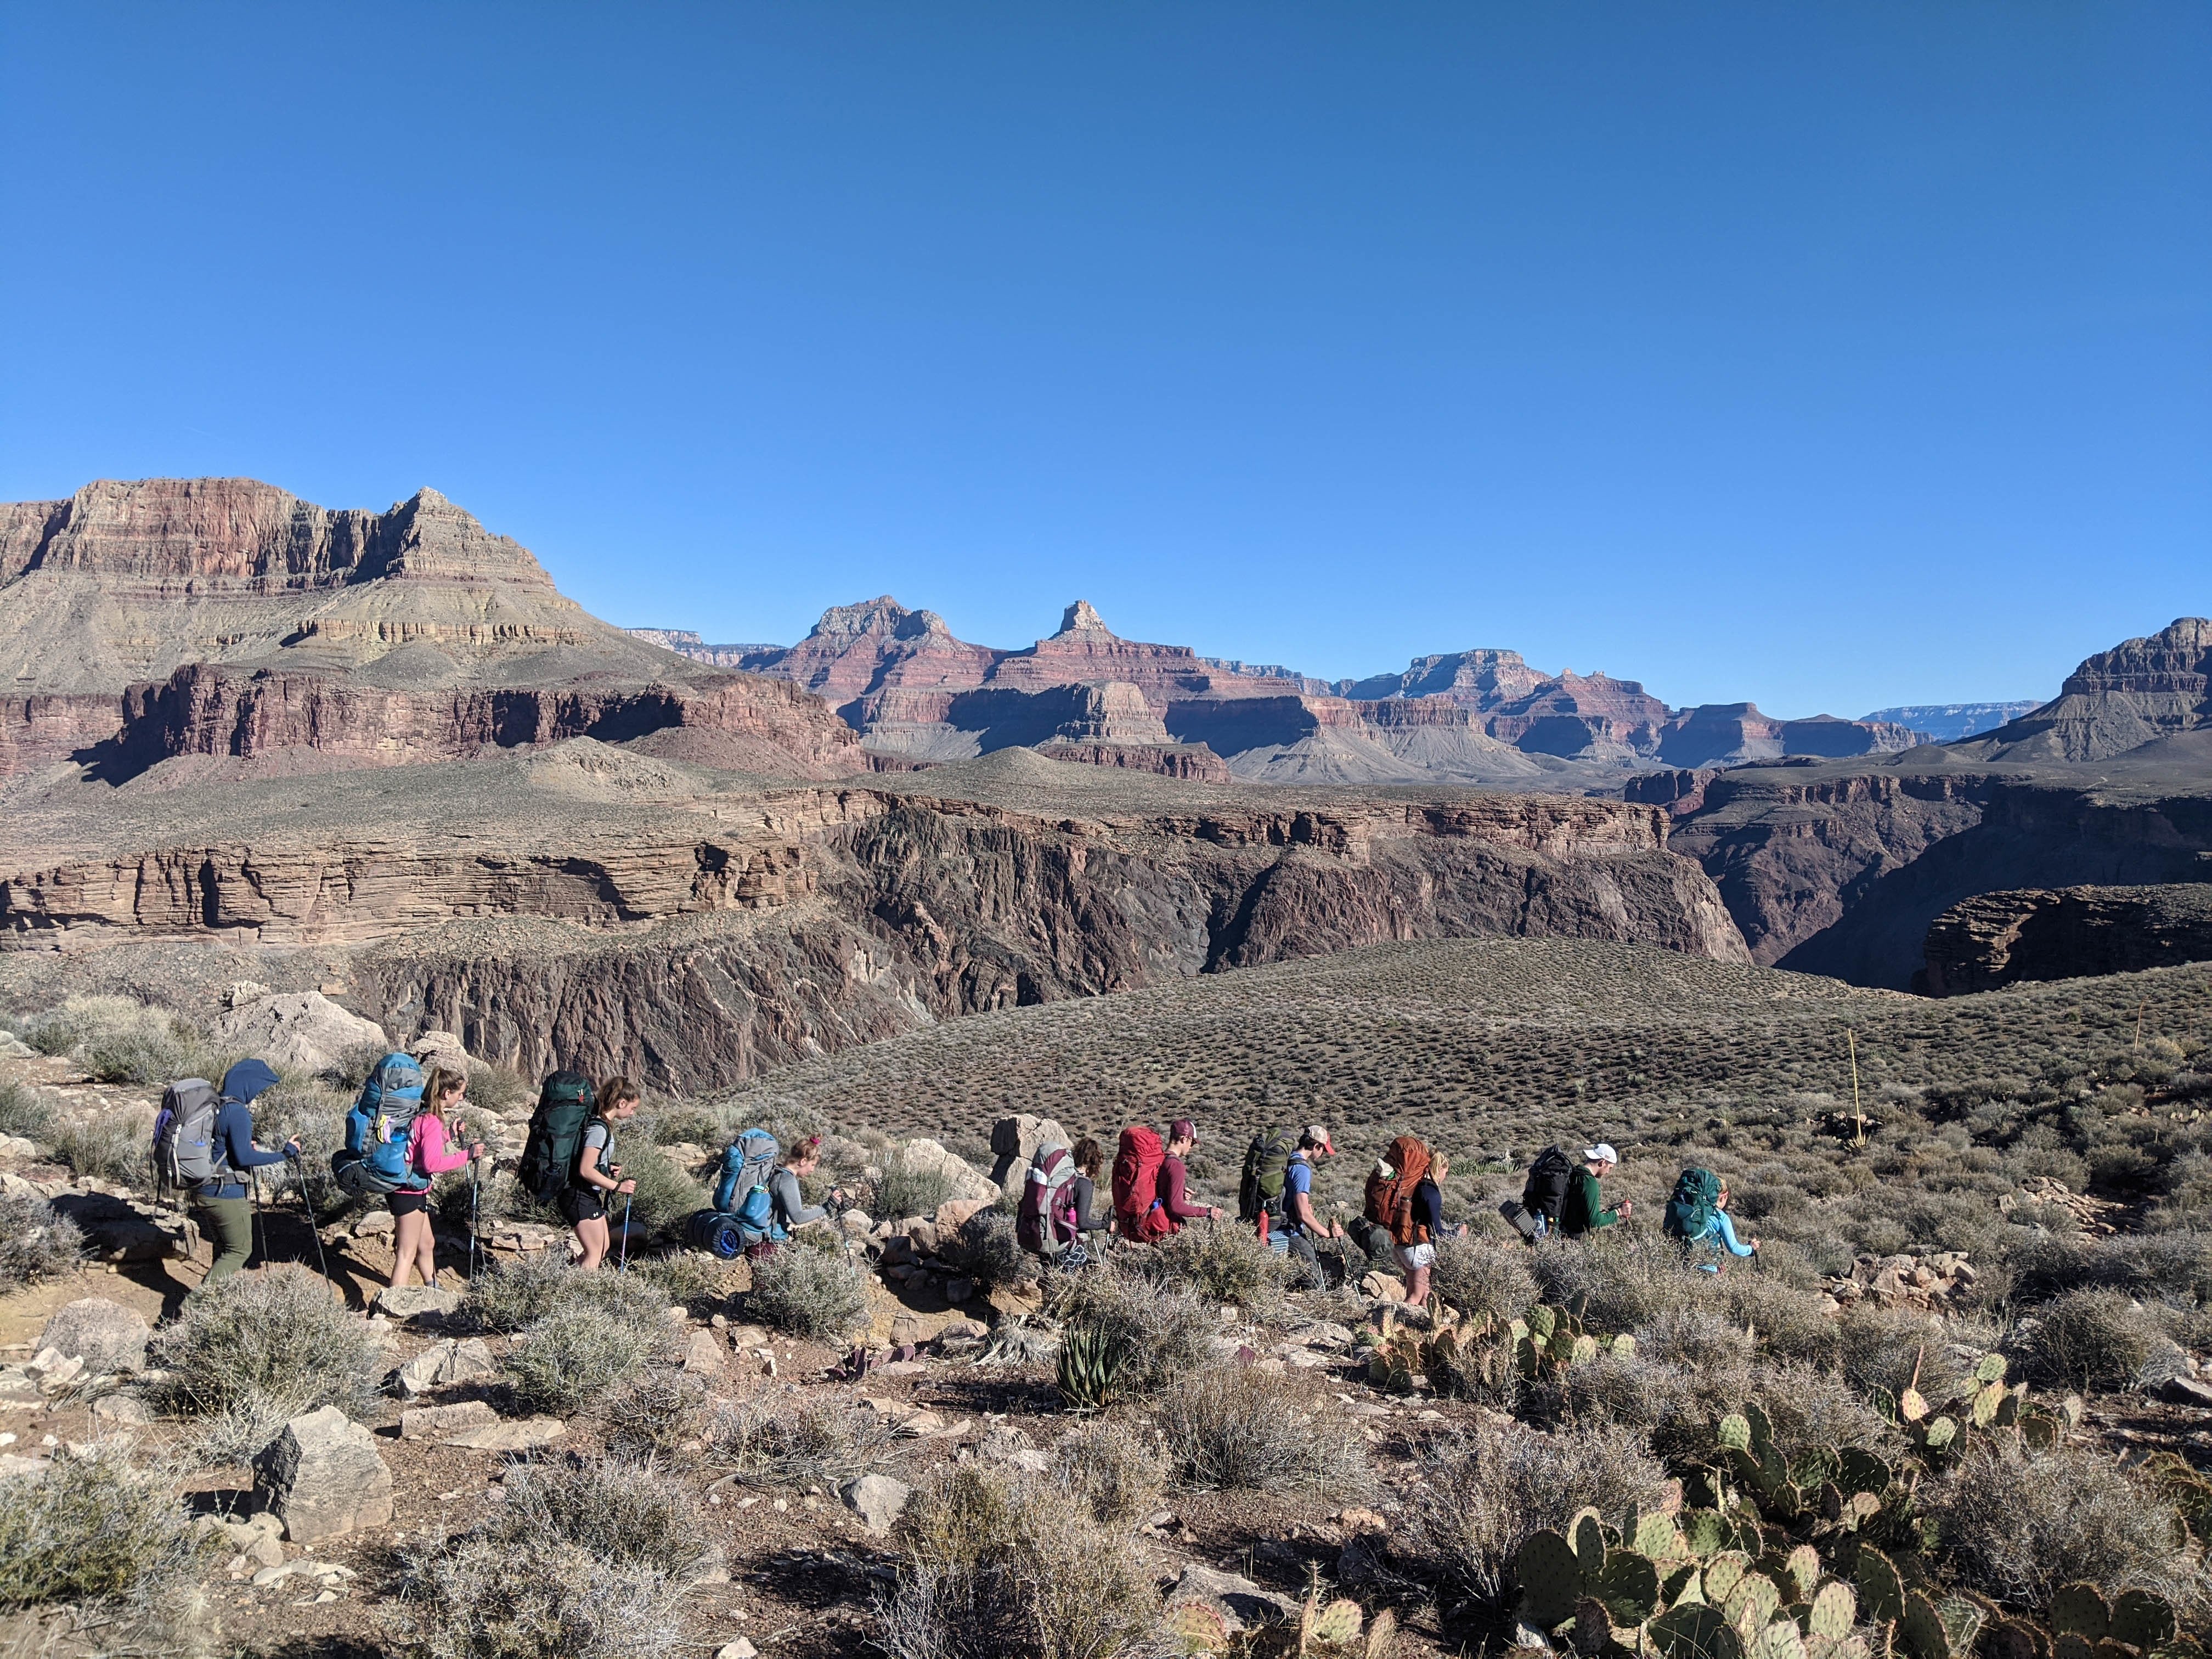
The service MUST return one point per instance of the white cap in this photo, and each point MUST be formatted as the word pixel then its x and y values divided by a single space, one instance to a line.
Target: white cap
pixel 1600 1153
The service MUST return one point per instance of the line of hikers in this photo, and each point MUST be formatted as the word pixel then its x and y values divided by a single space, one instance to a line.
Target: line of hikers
pixel 404 1131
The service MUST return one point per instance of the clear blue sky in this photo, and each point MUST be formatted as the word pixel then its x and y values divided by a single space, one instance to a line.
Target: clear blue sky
pixel 1828 356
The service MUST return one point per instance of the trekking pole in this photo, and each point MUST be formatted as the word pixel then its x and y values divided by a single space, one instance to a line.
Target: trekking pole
pixel 623 1267
pixel 308 1200
pixel 260 1220
pixel 474 1164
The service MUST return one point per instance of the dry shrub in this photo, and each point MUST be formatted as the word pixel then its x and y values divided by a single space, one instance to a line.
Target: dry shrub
pixel 121 1040
pixel 25 1111
pixel 1481 1277
pixel 1113 1469
pixel 904 1190
pixel 1695 1339
pixel 1163 1331
pixel 1620 1283
pixel 274 1343
pixel 1876 1348
pixel 666 1194
pixel 784 1437
pixel 2092 1340
pixel 113 1146
pixel 35 1244
pixel 2018 1524
pixel 984 1247
pixel 655 1414
pixel 1676 1407
pixel 819 1294
pixel 581 1562
pixel 1481 1495
pixel 702 1284
pixel 92 1529
pixel 1236 1428
pixel 999 1565
pixel 2164 1263
pixel 1222 1264
pixel 578 1351
pixel 515 1296
pixel 1783 1320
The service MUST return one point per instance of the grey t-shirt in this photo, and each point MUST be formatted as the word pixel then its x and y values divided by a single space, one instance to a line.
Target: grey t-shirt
pixel 791 1206
pixel 600 1134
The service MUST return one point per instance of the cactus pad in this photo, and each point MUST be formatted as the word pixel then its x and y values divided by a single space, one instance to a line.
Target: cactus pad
pixel 1588 1533
pixel 1920 1633
pixel 1723 1573
pixel 2081 1608
pixel 1552 1578
pixel 1833 1611
pixel 1381 1636
pixel 1752 1603
pixel 1684 1587
pixel 1804 1565
pixel 1198 1628
pixel 1991 1369
pixel 1704 1532
pixel 1695 1633
pixel 1735 1432
pixel 2009 1639
pixel 1593 1627
pixel 1781 1640
pixel 1941 1432
pixel 1629 1587
pixel 2072 1645
pixel 2142 1619
pixel 1860 1470
pixel 1657 1537
pixel 1879 1588
pixel 1337 1625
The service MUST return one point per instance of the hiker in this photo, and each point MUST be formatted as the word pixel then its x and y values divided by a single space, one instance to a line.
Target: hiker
pixel 1585 1210
pixel 1137 1163
pixel 1697 1214
pixel 1543 1196
pixel 1182 1138
pixel 1089 1219
pixel 597 1177
pixel 792 1208
pixel 1418 1258
pixel 1301 1224
pixel 1260 1190
pixel 433 1148
pixel 1057 1193
pixel 219 1205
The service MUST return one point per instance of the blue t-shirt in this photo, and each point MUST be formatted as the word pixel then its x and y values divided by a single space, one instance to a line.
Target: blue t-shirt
pixel 1297 1177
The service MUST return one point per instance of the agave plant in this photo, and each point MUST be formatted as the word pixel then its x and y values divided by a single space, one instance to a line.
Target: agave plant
pixel 1090 1361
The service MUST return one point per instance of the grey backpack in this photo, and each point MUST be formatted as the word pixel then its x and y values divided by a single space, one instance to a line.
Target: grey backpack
pixel 185 1149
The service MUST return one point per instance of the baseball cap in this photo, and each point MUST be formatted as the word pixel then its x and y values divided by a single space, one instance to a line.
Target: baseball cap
pixel 1182 1129
pixel 1600 1153
pixel 1319 1132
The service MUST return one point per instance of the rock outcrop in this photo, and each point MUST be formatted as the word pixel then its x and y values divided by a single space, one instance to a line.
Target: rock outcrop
pixel 2140 691
pixel 1998 938
pixel 323 1477
pixel 302 1031
pixel 223 617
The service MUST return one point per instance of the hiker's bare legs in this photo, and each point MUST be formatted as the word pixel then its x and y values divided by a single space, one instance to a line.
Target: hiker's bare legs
pixel 593 1236
pixel 410 1235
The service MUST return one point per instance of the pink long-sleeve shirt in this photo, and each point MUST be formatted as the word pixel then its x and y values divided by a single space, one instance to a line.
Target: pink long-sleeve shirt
pixel 431 1150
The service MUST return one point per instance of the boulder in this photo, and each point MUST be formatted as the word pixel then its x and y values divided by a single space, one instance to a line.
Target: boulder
pixel 437 1422
pixel 121 1411
pixel 1014 1141
pixel 526 1434
pixel 440 1049
pixel 878 1500
pixel 1242 1604
pixel 956 1213
pixel 416 1301
pixel 442 1362
pixel 296 1031
pixel 105 1335
pixel 17 1148
pixel 323 1477
pixel 967 1181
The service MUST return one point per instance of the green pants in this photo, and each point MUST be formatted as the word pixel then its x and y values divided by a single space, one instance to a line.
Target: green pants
pixel 228 1224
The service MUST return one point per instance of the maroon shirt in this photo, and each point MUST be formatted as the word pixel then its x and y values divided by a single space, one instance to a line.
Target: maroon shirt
pixel 1171 1199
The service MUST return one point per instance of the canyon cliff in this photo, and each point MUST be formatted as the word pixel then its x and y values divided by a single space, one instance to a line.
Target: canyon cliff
pixel 2004 938
pixel 224 618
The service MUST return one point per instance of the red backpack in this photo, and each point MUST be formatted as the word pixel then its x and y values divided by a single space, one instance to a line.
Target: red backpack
pixel 1390 1197
pixel 1137 1184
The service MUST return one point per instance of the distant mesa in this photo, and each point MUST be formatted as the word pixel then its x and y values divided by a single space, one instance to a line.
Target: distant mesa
pixel 919 696
pixel 2138 693
pixel 1948 722
pixel 223 617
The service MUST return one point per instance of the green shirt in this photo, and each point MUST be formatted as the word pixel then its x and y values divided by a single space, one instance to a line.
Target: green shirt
pixel 1585 1210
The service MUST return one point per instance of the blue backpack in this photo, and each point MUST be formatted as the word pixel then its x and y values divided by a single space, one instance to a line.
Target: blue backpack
pixel 744 1210
pixel 373 1160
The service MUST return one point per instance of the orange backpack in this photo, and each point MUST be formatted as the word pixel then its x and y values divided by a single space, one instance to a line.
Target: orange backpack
pixel 1391 1196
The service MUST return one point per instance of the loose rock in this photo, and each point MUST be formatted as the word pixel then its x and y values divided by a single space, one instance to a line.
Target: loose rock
pixel 323 1477
pixel 878 1500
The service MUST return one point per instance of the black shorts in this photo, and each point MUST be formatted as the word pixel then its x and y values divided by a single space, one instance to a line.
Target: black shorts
pixel 583 1204
pixel 407 1203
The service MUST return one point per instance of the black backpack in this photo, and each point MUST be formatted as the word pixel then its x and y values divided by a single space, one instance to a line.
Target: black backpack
pixel 556 1131
pixel 1261 1188
pixel 1546 1194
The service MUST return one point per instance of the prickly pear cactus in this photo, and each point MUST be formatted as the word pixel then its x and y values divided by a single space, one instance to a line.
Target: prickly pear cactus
pixel 1198 1628
pixel 1337 1625
pixel 1833 1611
pixel 2081 1608
pixel 1695 1632
pixel 1879 1588
pixel 1551 1579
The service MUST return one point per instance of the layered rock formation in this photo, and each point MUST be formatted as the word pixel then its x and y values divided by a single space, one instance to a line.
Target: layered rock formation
pixel 2139 692
pixel 588 905
pixel 221 616
pixel 1998 938
pixel 1486 716
pixel 1948 722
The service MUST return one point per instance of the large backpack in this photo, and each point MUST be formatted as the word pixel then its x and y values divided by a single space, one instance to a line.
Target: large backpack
pixel 557 1135
pixel 186 1150
pixel 1390 1189
pixel 1691 1210
pixel 1045 1224
pixel 1260 1190
pixel 743 1215
pixel 1137 1184
pixel 374 1159
pixel 1546 1194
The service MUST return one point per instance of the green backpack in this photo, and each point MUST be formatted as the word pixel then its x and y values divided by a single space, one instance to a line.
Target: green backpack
pixel 1261 1187
pixel 556 1131
pixel 1697 1199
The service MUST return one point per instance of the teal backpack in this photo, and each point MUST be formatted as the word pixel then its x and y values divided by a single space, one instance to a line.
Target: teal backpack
pixel 1697 1199
pixel 374 1159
